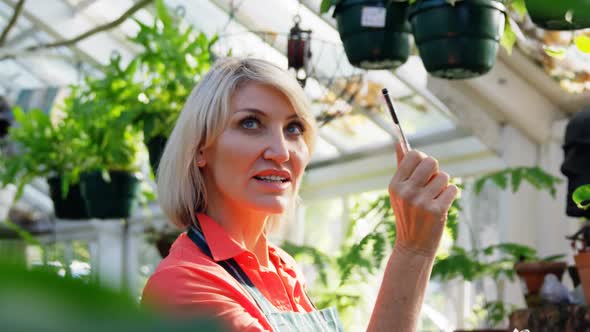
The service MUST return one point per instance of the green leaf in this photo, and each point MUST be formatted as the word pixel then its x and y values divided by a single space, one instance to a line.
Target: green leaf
pixel 533 175
pixel 509 37
pixel 478 187
pixel 519 7
pixel 516 180
pixel 319 259
pixel 163 14
pixel 553 258
pixel 555 52
pixel 325 6
pixel 500 180
pixel 583 43
pixel 581 196
pixel 29 239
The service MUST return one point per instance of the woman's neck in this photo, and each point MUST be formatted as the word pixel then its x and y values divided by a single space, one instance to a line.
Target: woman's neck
pixel 248 229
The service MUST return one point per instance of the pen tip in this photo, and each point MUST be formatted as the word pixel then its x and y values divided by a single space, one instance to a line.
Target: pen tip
pixel 384 91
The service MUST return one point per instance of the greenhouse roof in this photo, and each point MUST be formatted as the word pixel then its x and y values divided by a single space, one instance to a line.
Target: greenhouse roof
pixel 357 124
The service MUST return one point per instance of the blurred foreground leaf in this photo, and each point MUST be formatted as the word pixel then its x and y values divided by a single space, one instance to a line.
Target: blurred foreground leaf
pixel 39 300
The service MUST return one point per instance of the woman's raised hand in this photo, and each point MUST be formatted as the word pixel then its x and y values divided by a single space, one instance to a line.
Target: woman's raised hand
pixel 420 196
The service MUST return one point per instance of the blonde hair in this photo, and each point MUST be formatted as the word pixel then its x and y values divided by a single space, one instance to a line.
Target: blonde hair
pixel 181 186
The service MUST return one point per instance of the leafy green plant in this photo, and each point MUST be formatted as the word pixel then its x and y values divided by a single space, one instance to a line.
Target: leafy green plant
pixel 45 149
pixel 495 262
pixel 103 109
pixel 516 175
pixel 341 275
pixel 173 60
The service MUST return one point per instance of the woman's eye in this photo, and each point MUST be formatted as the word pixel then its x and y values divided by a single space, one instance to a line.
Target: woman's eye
pixel 250 123
pixel 296 128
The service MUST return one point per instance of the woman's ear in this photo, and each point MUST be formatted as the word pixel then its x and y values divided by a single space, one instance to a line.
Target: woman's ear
pixel 201 162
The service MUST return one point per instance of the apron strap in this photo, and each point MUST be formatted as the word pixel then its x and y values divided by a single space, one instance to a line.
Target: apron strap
pixel 232 267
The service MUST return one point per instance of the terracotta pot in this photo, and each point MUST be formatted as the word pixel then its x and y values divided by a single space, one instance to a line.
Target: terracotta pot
pixel 583 263
pixel 533 274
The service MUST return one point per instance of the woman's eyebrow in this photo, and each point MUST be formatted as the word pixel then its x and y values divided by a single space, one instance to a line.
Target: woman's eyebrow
pixel 251 110
pixel 262 113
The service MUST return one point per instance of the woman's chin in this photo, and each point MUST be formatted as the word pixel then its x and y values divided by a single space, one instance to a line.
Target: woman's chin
pixel 272 206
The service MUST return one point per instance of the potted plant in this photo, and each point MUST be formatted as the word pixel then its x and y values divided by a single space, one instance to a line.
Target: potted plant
pixel 375 33
pixel 560 15
pixel 493 263
pixel 173 60
pixel 532 272
pixel 342 277
pixel 458 39
pixel 48 150
pixel 103 109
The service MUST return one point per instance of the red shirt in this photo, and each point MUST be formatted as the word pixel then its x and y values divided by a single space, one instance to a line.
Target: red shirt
pixel 189 283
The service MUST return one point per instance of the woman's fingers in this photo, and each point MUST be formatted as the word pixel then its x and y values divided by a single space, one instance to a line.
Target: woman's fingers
pixel 435 187
pixel 407 165
pixel 425 170
pixel 445 199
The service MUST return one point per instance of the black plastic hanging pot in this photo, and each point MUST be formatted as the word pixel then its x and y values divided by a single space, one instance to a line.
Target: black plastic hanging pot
pixel 560 14
pixel 70 207
pixel 109 200
pixel 458 41
pixel 375 34
pixel 156 148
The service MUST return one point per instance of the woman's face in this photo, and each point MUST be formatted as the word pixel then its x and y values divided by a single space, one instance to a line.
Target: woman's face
pixel 258 160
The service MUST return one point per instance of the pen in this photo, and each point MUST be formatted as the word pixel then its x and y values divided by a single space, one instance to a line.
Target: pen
pixel 400 134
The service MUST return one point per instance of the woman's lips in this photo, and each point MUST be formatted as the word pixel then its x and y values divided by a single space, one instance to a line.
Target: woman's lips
pixel 275 186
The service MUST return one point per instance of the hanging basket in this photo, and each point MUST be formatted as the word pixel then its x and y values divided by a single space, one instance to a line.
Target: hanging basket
pixel 70 207
pixel 156 148
pixel 560 14
pixel 375 34
pixel 460 41
pixel 109 200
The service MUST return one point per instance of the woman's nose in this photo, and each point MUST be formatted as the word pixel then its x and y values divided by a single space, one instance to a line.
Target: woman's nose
pixel 277 148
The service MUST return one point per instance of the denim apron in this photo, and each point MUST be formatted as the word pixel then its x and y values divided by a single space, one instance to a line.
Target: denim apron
pixel 325 320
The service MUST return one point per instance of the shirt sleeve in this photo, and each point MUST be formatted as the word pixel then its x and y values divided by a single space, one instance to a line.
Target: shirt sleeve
pixel 183 292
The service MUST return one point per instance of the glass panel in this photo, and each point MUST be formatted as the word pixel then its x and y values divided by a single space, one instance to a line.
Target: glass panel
pixel 323 224
pixel 13 76
pixel 323 150
pixel 416 116
pixel 353 132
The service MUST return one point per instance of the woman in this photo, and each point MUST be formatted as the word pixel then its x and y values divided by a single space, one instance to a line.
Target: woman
pixel 232 167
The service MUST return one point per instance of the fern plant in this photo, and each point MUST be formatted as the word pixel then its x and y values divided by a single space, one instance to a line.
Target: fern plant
pixel 173 60
pixel 342 275
pixel 496 261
